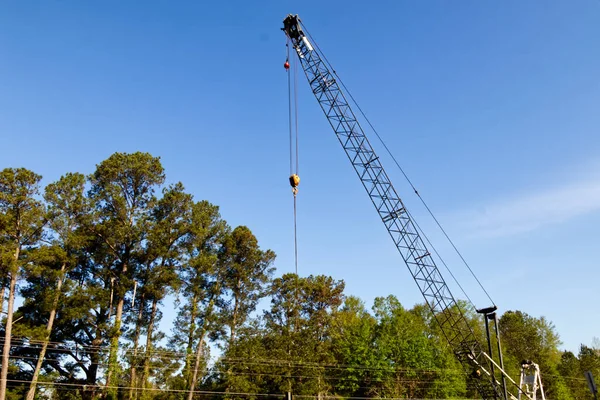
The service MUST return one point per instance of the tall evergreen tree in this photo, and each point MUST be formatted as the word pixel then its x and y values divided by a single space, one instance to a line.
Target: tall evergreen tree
pixel 65 203
pixel 202 274
pixel 299 325
pixel 169 224
pixel 122 195
pixel 248 272
pixel 21 223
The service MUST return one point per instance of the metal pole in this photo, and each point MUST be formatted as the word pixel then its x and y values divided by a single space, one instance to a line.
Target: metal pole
pixel 500 355
pixel 487 332
pixel 592 385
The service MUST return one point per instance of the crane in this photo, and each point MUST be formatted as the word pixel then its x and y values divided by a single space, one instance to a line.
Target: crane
pixel 478 363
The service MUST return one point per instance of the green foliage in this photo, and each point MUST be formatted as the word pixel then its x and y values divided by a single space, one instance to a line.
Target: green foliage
pixel 353 345
pixel 20 210
pixel 21 218
pixel 103 252
pixel 122 197
pixel 528 338
pixel 21 223
pixel 248 271
pixel 418 363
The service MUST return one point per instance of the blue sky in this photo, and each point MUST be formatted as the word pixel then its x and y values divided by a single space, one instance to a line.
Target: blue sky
pixel 491 108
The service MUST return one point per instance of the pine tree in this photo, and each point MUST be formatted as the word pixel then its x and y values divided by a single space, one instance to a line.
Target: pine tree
pixel 248 272
pixel 21 224
pixel 66 202
pixel 122 195
pixel 202 275
pixel 169 224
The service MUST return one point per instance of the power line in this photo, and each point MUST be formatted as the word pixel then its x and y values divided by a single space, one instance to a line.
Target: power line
pixel 77 386
pixel 293 364
pixel 103 387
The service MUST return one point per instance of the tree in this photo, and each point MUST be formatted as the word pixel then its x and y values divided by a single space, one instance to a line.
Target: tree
pixel 168 225
pixel 65 294
pixel 286 349
pixel 202 275
pixel 353 344
pixel 248 271
pixel 448 376
pixel 589 360
pixel 21 223
pixel 66 202
pixel 416 364
pixel 572 373
pixel 527 338
pixel 122 196
pixel 299 327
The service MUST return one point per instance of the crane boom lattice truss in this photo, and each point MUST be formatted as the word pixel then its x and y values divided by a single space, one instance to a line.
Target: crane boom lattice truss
pixel 392 212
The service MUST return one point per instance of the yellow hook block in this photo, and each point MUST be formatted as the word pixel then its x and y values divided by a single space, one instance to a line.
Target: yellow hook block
pixel 294 182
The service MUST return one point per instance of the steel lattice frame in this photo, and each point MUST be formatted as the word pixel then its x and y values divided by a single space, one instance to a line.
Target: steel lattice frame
pixel 390 207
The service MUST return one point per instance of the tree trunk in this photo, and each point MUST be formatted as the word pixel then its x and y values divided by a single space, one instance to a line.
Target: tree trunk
pixel 114 348
pixel 196 366
pixel 233 327
pixel 149 334
pixel 9 320
pixel 232 331
pixel 92 374
pixel 187 369
pixel 2 296
pixel 207 318
pixel 40 361
pixel 114 342
pixel 136 340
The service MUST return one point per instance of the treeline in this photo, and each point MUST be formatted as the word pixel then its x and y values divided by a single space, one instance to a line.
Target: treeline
pixel 94 258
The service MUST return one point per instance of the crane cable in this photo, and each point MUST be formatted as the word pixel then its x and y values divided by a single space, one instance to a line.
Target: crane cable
pixel 293 132
pixel 409 182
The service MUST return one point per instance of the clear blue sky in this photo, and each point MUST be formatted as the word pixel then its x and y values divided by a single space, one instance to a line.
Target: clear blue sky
pixel 490 106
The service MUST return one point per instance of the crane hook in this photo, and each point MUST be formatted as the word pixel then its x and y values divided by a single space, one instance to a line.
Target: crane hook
pixel 294 182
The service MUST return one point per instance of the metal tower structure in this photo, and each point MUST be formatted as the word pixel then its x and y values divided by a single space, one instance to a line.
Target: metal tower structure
pixel 394 215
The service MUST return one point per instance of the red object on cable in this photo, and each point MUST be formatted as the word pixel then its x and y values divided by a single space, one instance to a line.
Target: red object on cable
pixel 286 65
